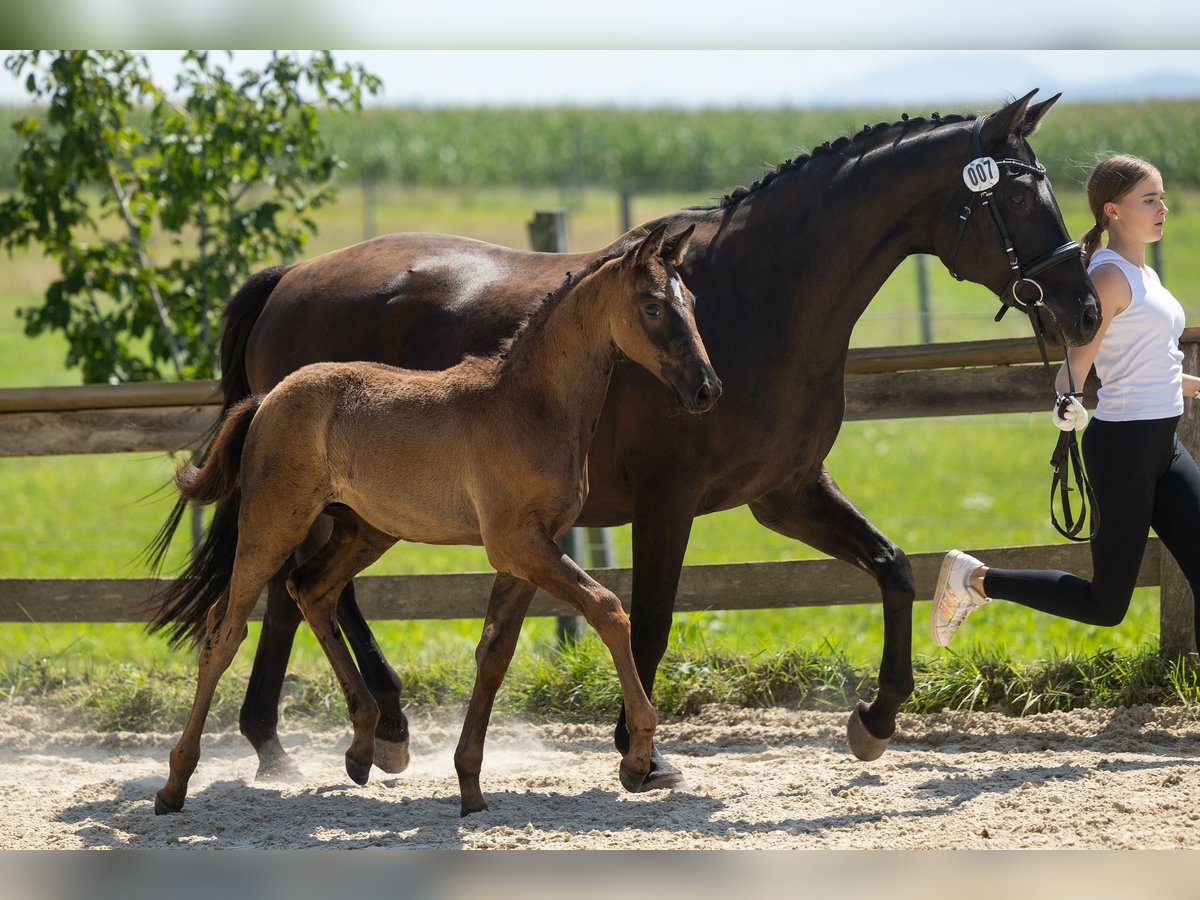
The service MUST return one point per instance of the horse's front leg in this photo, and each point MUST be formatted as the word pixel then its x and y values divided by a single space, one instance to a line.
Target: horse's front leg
pixel 662 524
pixel 818 513
pixel 533 557
pixel 507 605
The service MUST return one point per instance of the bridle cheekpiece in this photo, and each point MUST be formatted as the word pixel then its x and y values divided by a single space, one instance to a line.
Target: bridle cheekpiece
pixel 981 175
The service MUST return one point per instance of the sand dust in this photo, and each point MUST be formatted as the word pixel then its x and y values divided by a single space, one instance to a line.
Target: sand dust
pixel 756 779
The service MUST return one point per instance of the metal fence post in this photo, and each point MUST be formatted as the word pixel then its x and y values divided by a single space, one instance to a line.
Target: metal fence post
pixel 923 298
pixel 548 232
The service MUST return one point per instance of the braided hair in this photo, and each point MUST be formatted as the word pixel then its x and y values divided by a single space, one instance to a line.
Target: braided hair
pixel 1111 180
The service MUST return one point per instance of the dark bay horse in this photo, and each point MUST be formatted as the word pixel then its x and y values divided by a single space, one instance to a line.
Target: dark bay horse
pixel 782 270
pixel 491 451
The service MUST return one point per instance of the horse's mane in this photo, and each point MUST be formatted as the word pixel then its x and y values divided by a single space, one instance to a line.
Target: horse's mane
pixel 857 145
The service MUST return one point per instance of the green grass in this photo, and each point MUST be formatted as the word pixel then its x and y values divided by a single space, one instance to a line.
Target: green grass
pixel 929 484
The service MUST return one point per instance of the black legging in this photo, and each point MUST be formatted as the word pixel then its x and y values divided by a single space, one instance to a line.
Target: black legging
pixel 1142 477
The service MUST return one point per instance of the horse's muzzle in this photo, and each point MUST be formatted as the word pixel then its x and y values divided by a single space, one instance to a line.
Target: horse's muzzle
pixel 705 396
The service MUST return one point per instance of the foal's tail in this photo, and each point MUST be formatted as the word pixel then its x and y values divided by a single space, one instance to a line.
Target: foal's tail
pixel 182 607
pixel 241 313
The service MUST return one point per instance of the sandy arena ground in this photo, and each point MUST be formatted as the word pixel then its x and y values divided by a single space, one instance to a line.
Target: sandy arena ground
pixel 756 779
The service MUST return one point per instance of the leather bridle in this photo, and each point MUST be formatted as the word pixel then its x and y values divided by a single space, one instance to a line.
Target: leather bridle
pixel 990 170
pixel 981 175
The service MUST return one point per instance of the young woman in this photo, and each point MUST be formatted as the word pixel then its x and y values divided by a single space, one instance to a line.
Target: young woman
pixel 1140 473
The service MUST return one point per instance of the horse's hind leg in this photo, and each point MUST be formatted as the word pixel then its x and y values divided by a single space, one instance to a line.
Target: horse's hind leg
pixel 506 610
pixel 259 718
pixel 819 514
pixel 391 734
pixel 534 558
pixel 316 585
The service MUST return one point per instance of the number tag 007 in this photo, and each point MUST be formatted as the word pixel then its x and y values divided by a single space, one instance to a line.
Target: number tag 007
pixel 981 174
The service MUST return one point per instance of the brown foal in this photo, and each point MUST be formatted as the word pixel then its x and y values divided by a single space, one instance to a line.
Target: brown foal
pixel 492 451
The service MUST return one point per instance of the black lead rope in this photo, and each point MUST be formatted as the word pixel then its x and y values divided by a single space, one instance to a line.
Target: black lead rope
pixel 1067 463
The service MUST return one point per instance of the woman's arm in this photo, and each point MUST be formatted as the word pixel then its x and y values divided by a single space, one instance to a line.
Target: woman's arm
pixel 1115 295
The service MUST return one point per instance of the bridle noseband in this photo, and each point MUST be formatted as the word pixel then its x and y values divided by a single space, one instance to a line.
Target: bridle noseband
pixel 981 175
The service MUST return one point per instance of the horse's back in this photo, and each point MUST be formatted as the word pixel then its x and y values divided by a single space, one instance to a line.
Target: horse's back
pixel 421 301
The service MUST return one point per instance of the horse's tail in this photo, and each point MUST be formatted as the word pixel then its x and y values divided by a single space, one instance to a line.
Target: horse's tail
pixel 182 607
pixel 241 313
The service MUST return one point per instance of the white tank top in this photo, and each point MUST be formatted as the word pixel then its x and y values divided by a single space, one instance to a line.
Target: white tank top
pixel 1139 363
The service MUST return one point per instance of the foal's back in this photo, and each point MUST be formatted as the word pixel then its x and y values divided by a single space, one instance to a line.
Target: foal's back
pixel 401 447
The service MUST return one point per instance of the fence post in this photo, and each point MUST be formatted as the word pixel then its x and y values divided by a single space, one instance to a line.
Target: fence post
pixel 548 232
pixel 1176 607
pixel 923 298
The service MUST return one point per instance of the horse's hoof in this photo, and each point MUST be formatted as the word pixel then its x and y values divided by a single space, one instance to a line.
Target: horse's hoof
pixel 862 743
pixel 358 772
pixel 279 768
pixel 391 756
pixel 634 781
pixel 162 806
pixel 472 807
pixel 663 775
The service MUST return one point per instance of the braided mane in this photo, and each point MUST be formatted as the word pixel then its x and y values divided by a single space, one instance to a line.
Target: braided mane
pixel 868 139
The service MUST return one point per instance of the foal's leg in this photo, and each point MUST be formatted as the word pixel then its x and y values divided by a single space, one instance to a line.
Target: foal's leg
pixel 506 610
pixel 818 513
pixel 226 629
pixel 259 718
pixel 316 585
pixel 534 558
pixel 662 524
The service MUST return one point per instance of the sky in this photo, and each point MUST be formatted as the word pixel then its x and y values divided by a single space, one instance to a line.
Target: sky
pixel 698 53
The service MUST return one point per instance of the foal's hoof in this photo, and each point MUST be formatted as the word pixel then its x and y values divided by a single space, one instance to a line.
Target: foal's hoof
pixel 862 743
pixel 634 782
pixel 663 775
pixel 162 806
pixel 391 756
pixel 358 772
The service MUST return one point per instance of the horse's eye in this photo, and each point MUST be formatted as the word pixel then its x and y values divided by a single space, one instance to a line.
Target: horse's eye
pixel 652 310
pixel 1018 199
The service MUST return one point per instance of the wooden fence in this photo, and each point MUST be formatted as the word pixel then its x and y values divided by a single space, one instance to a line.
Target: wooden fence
pixel 882 383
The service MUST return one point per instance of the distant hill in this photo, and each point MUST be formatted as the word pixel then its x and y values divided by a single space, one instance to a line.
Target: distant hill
pixel 986 78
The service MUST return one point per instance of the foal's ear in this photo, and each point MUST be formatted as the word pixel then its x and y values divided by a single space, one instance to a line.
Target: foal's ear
pixel 651 247
pixel 674 248
pixel 1004 122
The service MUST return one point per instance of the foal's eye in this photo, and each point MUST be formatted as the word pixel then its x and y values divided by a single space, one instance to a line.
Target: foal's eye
pixel 652 310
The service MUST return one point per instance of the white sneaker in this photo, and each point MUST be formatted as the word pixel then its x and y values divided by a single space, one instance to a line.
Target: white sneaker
pixel 954 599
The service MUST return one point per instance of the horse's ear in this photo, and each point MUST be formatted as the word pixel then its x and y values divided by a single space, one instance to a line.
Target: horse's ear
pixel 651 246
pixel 1033 115
pixel 1004 122
pixel 674 248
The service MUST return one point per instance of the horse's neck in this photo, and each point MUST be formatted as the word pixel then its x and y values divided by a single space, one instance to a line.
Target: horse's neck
pixel 566 354
pixel 833 238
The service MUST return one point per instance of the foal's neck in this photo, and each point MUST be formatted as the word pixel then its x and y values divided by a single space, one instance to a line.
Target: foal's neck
pixel 566 352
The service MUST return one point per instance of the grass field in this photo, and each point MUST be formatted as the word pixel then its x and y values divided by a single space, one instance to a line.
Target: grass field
pixel 929 484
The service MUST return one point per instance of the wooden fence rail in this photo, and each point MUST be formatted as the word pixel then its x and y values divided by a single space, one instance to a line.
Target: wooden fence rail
pixel 1002 376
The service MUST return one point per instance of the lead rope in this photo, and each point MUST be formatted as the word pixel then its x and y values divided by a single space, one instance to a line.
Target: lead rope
pixel 1067 463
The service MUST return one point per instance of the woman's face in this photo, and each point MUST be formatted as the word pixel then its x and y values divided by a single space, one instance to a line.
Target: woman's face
pixel 1139 215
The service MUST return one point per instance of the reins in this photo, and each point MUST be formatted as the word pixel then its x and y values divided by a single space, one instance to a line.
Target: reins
pixel 981 175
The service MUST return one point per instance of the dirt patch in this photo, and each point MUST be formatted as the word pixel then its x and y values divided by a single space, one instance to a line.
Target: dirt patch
pixel 756 779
